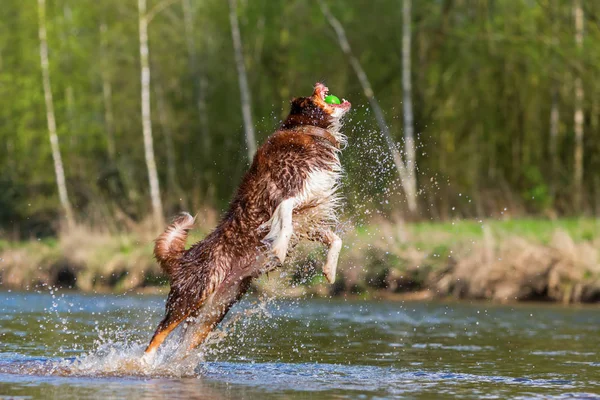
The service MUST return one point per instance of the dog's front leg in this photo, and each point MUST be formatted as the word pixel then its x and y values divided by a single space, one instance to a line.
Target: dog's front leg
pixel 333 241
pixel 281 229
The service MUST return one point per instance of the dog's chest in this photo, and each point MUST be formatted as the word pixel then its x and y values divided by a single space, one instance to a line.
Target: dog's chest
pixel 318 200
pixel 319 186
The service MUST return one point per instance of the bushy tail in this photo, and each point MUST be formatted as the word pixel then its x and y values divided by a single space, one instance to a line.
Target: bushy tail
pixel 170 245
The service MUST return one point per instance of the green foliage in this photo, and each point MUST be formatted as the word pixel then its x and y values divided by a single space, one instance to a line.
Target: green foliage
pixel 483 76
pixel 537 193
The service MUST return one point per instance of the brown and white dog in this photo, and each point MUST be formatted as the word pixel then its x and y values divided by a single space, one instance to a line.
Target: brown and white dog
pixel 289 192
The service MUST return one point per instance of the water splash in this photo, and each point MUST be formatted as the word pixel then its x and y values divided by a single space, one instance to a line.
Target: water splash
pixel 118 352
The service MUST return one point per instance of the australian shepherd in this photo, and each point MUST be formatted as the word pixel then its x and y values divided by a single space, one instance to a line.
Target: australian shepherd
pixel 288 194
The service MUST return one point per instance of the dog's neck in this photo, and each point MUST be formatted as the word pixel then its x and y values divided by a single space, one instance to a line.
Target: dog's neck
pixel 325 134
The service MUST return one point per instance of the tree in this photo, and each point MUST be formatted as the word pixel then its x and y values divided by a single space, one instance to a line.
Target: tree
pixel 403 171
pixel 50 117
pixel 578 117
pixel 409 140
pixel 242 79
pixel 554 108
pixel 146 116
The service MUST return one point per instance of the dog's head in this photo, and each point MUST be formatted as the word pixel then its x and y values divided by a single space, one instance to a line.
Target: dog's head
pixel 315 111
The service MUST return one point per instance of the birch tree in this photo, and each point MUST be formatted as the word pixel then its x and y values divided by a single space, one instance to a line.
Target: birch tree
pixel 406 179
pixel 242 79
pixel 554 108
pixel 50 117
pixel 146 116
pixel 409 140
pixel 554 122
pixel 578 117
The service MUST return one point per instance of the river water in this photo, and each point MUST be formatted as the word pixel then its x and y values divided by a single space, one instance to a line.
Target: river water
pixel 66 345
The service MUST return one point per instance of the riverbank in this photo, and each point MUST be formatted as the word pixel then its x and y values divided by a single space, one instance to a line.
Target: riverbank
pixel 504 261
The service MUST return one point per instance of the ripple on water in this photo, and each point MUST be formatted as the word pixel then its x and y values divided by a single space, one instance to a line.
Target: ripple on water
pixel 446 347
pixel 278 377
pixel 363 349
pixel 563 353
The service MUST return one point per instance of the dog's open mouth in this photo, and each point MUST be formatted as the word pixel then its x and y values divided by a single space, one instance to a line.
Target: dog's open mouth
pixel 321 91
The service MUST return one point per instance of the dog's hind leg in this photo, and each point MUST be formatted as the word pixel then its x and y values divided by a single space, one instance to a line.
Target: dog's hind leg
pixel 215 309
pixel 166 326
pixel 333 241
pixel 281 229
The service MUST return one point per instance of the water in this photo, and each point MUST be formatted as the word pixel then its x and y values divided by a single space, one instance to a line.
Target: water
pixel 82 346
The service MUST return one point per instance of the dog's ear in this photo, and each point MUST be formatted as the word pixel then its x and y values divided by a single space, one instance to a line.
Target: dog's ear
pixel 293 100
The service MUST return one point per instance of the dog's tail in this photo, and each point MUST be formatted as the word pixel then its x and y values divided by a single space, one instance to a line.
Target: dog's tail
pixel 170 245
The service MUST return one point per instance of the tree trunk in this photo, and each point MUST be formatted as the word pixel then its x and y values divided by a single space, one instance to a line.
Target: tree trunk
pixel 146 116
pixel 405 178
pixel 243 80
pixel 70 103
pixel 10 141
pixel 554 121
pixel 578 117
pixel 198 75
pixel 58 165
pixel 409 140
pixel 109 119
pixel 554 108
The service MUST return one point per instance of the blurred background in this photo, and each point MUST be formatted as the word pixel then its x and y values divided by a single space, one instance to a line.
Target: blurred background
pixel 474 124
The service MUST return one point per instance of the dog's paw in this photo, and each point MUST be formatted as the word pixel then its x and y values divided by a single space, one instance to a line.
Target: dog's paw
pixel 148 358
pixel 279 248
pixel 277 242
pixel 332 260
pixel 329 271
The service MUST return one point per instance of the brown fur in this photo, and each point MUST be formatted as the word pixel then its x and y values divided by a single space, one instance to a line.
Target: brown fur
pixel 213 274
pixel 170 245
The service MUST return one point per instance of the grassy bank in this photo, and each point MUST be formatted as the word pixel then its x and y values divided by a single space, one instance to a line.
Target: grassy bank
pixel 500 260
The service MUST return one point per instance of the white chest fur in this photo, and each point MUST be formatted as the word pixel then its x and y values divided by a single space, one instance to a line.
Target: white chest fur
pixel 318 200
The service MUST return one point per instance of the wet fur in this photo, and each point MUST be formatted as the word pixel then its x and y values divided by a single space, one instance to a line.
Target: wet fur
pixel 301 166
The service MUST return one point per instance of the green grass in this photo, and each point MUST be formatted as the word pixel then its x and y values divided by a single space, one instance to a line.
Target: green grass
pixel 539 230
pixel 376 247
